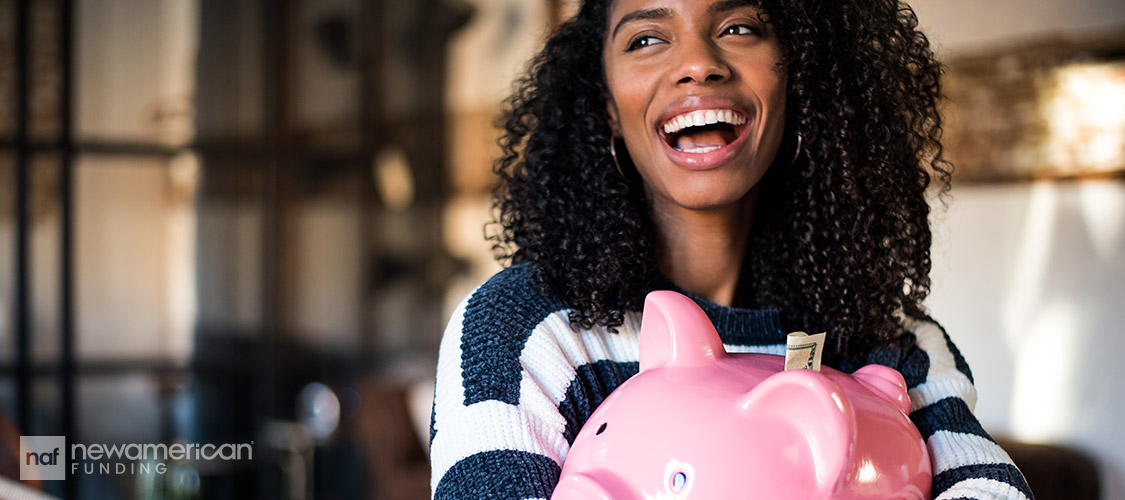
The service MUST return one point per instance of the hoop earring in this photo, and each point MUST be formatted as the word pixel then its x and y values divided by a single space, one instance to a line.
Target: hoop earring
pixel 613 153
pixel 797 153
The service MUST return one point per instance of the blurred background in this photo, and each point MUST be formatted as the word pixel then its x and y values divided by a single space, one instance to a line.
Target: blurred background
pixel 248 221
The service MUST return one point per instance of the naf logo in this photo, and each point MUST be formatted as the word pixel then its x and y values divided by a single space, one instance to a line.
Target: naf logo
pixel 43 458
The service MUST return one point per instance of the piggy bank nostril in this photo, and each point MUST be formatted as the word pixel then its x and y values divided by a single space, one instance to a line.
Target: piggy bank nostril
pixel 601 429
pixel 679 480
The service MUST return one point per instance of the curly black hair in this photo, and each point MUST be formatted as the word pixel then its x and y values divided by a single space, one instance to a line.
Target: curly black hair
pixel 841 239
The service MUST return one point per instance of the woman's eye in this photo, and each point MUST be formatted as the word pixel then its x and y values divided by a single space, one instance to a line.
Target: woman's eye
pixel 642 41
pixel 740 29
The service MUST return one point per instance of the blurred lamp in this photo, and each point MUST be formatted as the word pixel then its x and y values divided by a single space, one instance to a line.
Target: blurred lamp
pixel 318 410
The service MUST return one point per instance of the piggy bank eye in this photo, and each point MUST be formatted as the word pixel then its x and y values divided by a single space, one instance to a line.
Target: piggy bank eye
pixel 679 480
pixel 601 429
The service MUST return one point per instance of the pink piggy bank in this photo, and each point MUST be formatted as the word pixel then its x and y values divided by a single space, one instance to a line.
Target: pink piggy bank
pixel 697 422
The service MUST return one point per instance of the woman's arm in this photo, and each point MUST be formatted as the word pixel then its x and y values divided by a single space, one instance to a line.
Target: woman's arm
pixel 491 435
pixel 967 462
pixel 514 384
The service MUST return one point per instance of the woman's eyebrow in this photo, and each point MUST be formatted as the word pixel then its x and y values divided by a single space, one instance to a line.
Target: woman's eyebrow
pixel 727 5
pixel 663 13
pixel 638 15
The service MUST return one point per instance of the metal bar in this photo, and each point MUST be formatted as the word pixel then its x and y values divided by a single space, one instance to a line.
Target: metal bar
pixel 273 113
pixel 98 147
pixel 66 228
pixel 213 150
pixel 106 368
pixel 370 88
pixel 274 96
pixel 22 222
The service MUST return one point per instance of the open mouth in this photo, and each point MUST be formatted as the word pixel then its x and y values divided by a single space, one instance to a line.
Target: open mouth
pixel 703 131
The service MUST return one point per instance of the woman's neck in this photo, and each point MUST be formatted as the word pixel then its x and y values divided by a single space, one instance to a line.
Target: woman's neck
pixel 702 251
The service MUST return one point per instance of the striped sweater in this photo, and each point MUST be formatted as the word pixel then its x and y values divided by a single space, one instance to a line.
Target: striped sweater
pixel 515 383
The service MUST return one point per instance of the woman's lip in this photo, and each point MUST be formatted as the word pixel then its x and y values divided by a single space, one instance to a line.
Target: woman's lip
pixel 708 160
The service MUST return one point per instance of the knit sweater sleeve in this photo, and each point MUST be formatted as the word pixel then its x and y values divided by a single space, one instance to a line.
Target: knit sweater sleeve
pixel 497 431
pixel 967 462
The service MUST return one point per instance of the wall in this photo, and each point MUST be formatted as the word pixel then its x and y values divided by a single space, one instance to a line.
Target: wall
pixel 973 26
pixel 1029 278
pixel 1029 281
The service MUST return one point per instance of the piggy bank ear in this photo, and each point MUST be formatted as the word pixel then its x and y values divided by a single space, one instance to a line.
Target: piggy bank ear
pixel 676 332
pixel 808 416
pixel 886 382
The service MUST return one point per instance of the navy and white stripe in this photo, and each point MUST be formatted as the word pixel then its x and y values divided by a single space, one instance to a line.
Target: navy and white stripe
pixel 515 382
pixel 967 463
pixel 521 418
pixel 497 322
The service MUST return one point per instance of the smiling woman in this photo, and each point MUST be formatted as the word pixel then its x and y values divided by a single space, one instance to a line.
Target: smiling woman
pixel 768 158
pixel 697 91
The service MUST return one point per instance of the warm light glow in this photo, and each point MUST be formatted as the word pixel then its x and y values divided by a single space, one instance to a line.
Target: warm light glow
pixel 1086 117
pixel 1031 261
pixel 1040 336
pixel 394 179
pixel 1044 400
pixel 183 175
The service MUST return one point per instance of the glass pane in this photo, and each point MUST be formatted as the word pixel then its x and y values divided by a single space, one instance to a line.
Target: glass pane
pixel 124 408
pixel 135 258
pixel 119 410
pixel 231 87
pixel 7 69
pixel 229 249
pixel 324 255
pixel 45 65
pixel 43 253
pixel 326 73
pixel 136 68
pixel 46 407
pixel 45 258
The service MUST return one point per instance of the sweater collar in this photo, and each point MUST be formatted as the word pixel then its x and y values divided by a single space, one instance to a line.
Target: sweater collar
pixel 737 326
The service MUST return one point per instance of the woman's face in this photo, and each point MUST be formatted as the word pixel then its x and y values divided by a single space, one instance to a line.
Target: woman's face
pixel 697 92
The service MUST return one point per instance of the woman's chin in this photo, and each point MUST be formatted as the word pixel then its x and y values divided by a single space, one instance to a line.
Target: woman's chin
pixel 705 200
pixel 704 191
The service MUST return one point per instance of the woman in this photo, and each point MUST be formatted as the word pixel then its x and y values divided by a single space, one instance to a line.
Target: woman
pixel 769 159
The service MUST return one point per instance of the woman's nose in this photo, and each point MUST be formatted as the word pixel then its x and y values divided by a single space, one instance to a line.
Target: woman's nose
pixel 700 62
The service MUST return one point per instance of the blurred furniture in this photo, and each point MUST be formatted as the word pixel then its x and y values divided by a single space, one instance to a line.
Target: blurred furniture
pixel 1055 472
pixel 398 465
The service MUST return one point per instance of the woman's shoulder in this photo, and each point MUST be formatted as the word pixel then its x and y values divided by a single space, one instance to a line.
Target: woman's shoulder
pixel 922 348
pixel 511 296
pixel 498 317
pixel 492 327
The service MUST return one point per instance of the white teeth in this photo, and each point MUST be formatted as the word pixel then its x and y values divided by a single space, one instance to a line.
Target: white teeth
pixel 706 149
pixel 703 117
